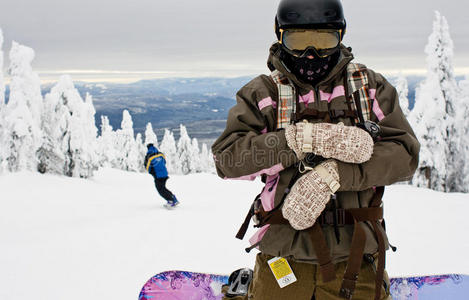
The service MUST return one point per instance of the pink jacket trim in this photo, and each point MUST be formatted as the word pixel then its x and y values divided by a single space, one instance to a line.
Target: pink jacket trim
pixel 337 92
pixel 308 98
pixel 269 171
pixel 268 194
pixel 376 109
pixel 266 102
pixel 259 235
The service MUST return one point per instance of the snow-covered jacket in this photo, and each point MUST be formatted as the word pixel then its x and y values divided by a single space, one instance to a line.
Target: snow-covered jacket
pixel 252 146
pixel 155 163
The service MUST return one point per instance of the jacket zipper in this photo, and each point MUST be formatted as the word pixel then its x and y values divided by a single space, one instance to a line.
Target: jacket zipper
pixel 316 93
pixel 272 183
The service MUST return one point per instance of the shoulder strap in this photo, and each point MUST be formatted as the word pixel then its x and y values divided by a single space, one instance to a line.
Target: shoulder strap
pixel 358 90
pixel 286 105
pixel 153 157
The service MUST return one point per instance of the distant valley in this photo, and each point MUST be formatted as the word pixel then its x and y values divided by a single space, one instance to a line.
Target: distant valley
pixel 202 104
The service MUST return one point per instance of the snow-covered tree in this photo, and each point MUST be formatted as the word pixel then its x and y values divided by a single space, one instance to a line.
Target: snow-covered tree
pixel 168 147
pixel 55 127
pixel 434 117
pixel 107 148
pixel 127 150
pixel 88 155
pixel 150 136
pixel 196 162
pixel 186 153
pixel 142 150
pixel 206 158
pixel 464 88
pixel 69 144
pixel 402 88
pixel 22 114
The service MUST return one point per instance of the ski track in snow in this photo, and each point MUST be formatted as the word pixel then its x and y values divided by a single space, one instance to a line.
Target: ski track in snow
pixel 68 238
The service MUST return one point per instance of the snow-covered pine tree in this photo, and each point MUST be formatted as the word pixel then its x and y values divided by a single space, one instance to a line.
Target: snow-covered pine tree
pixel 69 144
pixel 56 135
pixel 22 114
pixel 464 88
pixel 150 136
pixel 107 148
pixel 196 162
pixel 142 150
pixel 402 88
pixel 127 150
pixel 206 158
pixel 434 117
pixel 90 161
pixel 185 151
pixel 168 147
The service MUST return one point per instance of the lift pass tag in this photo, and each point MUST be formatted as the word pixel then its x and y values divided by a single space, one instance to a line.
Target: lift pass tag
pixel 282 271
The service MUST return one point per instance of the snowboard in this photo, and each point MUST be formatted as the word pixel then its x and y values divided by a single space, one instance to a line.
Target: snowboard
pixel 182 285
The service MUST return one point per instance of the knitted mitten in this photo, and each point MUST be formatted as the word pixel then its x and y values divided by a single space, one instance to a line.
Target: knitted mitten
pixel 310 194
pixel 345 143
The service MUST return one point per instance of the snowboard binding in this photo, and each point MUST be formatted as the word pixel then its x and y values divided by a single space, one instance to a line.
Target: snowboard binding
pixel 239 282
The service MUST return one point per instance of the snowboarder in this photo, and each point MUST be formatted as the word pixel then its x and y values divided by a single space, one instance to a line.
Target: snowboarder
pixel 325 135
pixel 155 164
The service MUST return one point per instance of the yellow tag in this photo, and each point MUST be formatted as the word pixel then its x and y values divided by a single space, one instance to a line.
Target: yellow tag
pixel 282 271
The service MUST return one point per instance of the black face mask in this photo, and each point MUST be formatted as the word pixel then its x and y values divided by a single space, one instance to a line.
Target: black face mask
pixel 310 70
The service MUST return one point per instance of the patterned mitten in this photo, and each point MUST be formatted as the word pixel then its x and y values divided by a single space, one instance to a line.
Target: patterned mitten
pixel 310 194
pixel 345 143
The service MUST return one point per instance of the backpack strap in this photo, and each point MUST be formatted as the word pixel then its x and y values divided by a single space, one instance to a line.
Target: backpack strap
pixel 372 214
pixel 358 91
pixel 287 104
pixel 150 159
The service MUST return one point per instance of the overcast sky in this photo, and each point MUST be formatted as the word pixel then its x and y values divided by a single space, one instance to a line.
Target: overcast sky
pixel 155 38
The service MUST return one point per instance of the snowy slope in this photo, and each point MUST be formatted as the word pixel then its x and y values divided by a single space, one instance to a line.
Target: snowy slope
pixel 66 238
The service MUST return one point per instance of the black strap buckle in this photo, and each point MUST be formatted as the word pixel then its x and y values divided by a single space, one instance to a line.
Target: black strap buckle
pixel 348 287
pixel 340 214
pixel 372 128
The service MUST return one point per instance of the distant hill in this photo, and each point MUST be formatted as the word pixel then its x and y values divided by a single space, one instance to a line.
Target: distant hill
pixel 202 104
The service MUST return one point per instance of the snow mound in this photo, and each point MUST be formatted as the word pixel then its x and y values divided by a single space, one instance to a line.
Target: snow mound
pixel 105 237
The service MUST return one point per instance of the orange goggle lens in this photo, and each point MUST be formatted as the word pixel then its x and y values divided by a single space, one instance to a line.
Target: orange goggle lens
pixel 301 39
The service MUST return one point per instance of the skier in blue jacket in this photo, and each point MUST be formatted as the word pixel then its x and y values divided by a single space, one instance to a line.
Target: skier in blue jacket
pixel 155 164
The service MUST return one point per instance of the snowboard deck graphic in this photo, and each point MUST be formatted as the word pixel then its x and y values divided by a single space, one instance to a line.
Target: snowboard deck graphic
pixel 183 285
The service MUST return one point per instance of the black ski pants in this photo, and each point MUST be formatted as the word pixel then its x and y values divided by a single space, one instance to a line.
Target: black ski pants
pixel 160 184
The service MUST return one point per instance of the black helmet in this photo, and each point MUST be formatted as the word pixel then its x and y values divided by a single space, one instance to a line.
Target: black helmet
pixel 321 14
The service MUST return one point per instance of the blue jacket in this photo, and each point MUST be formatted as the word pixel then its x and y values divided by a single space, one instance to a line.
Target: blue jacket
pixel 155 163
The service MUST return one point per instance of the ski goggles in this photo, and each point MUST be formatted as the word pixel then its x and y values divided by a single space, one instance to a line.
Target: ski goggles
pixel 323 42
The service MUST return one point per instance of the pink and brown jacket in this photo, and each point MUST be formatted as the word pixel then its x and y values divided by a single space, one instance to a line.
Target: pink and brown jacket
pixel 252 146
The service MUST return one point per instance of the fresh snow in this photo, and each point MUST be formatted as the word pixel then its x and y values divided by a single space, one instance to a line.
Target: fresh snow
pixel 102 238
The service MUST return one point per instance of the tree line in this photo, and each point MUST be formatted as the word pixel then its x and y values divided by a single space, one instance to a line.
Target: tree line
pixel 57 133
